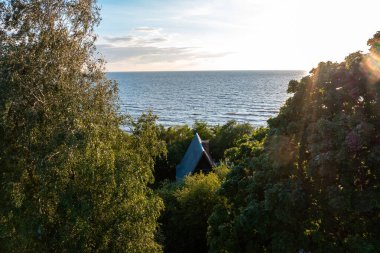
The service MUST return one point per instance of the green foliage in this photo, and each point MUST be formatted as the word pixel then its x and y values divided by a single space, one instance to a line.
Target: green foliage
pixel 70 179
pixel 205 131
pixel 313 182
pixel 226 137
pixel 177 139
pixel 187 207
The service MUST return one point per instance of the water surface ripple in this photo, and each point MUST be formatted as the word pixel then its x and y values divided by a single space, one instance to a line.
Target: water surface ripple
pixel 212 96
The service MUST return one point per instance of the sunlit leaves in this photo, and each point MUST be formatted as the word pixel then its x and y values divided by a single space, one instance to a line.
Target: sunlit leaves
pixel 314 186
pixel 71 180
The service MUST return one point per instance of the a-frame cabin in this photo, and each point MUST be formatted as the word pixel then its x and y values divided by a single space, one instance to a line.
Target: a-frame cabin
pixel 196 159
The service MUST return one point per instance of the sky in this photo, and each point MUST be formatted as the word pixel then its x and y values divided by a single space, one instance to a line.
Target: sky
pixel 175 35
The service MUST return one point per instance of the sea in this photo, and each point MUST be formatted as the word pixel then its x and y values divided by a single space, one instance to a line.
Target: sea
pixel 214 97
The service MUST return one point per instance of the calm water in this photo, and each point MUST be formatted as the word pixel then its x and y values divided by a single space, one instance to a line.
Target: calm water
pixel 212 96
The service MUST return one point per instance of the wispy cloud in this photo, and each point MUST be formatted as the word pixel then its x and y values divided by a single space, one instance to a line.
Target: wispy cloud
pixel 147 45
pixel 140 36
pixel 143 55
pixel 135 40
pixel 146 29
pixel 123 39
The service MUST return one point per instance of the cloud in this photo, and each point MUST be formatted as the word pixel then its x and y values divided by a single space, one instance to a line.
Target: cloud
pixel 156 40
pixel 141 36
pixel 119 39
pixel 146 45
pixel 151 54
pixel 135 40
pixel 146 29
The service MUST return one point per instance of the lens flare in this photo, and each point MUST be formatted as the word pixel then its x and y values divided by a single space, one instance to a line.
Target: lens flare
pixel 371 66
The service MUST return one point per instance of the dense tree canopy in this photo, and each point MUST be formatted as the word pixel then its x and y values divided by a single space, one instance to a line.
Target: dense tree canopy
pixel 70 179
pixel 313 183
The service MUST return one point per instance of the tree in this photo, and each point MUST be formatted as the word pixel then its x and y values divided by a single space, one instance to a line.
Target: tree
pixel 188 205
pixel 226 137
pixel 177 140
pixel 71 180
pixel 312 183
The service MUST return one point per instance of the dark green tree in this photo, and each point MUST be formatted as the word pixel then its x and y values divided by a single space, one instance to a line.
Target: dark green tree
pixel 226 136
pixel 188 205
pixel 313 183
pixel 177 140
pixel 205 131
pixel 70 179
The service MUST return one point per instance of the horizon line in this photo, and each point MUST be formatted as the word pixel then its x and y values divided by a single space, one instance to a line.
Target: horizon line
pixel 217 70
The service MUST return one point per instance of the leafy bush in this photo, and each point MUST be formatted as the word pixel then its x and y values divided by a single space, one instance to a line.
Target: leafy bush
pixel 188 205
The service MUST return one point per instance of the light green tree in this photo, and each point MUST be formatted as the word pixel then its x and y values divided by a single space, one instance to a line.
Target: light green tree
pixel 188 205
pixel 70 179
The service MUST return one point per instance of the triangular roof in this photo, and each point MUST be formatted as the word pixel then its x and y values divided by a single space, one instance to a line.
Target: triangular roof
pixel 193 155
